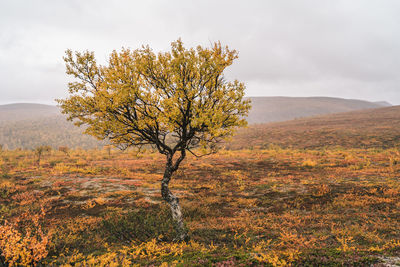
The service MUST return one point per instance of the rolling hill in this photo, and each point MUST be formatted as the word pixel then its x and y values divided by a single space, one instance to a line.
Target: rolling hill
pixel 272 109
pixel 26 125
pixel 30 125
pixel 371 128
pixel 26 111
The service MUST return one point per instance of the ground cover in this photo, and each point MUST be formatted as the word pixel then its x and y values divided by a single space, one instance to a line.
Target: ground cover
pixel 270 207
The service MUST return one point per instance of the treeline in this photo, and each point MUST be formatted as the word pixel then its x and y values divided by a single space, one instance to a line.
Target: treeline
pixel 54 131
pixel 373 128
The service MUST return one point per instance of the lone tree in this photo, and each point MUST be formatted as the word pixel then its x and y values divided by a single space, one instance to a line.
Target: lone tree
pixel 39 152
pixel 173 101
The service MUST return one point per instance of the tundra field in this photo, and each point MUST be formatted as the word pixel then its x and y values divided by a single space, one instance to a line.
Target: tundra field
pixel 199 133
pixel 321 191
pixel 273 207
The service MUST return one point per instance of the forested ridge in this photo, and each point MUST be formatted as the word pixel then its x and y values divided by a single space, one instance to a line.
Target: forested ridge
pixel 54 131
pixel 27 126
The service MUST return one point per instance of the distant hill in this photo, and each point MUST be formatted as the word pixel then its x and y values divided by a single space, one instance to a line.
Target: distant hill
pixel 371 128
pixel 272 109
pixel 54 131
pixel 26 111
pixel 383 103
pixel 29 125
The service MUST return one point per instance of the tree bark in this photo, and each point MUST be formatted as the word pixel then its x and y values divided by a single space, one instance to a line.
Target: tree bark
pixel 173 201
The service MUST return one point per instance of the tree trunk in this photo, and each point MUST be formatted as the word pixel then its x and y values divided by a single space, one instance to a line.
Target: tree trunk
pixel 173 202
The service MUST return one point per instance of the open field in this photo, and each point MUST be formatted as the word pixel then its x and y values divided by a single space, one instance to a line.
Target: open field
pixel 29 125
pixel 273 109
pixel 269 207
pixel 370 128
pixel 199 133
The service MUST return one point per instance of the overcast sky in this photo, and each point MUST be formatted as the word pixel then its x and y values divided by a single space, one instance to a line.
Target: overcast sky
pixel 348 49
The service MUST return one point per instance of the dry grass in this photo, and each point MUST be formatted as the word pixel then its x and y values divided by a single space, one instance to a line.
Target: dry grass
pixel 373 128
pixel 273 207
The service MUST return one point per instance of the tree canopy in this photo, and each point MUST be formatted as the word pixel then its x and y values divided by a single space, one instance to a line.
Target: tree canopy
pixel 171 100
pixel 175 101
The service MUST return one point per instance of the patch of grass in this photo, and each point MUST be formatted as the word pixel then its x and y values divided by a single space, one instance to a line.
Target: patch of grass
pixel 249 207
pixel 138 225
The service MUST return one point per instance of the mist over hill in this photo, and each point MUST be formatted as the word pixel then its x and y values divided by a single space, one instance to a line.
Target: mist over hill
pixel 383 103
pixel 369 128
pixel 273 109
pixel 26 111
pixel 27 125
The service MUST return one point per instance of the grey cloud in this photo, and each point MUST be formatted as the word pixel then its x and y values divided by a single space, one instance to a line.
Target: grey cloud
pixel 306 47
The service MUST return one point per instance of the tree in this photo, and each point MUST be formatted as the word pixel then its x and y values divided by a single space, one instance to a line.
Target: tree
pixel 174 101
pixel 64 149
pixel 39 151
pixel 108 150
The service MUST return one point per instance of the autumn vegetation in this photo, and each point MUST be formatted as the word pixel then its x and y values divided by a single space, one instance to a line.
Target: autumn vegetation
pixel 369 128
pixel 323 191
pixel 272 206
pixel 174 102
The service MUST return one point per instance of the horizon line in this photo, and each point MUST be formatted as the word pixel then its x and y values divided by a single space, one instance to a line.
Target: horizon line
pixel 53 103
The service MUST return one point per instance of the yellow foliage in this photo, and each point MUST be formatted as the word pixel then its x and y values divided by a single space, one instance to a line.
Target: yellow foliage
pixel 309 163
pixel 146 98
pixel 346 243
pixel 322 190
pixel 23 248
pixel 127 255
pixel 264 254
pixel 393 244
pixel 6 187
